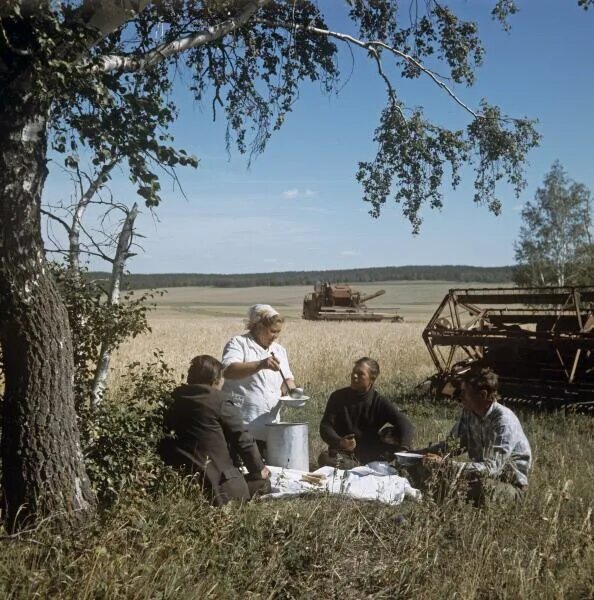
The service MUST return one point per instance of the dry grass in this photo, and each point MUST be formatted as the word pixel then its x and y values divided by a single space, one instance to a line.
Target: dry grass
pixel 173 545
pixel 413 300
pixel 319 352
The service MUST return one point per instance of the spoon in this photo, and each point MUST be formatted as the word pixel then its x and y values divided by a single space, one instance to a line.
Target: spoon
pixel 293 392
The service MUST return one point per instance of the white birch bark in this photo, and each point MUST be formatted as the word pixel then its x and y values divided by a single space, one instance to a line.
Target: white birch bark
pixel 119 262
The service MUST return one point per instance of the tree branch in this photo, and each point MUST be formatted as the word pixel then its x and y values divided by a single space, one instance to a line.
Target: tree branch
pixel 105 17
pixel 47 213
pixel 391 92
pixel 122 63
pixel 122 254
pixel 79 210
pixel 373 47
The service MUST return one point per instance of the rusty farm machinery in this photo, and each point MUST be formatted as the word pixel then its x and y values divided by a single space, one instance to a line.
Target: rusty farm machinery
pixel 540 341
pixel 332 302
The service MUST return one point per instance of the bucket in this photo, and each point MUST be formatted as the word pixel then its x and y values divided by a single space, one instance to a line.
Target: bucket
pixel 287 445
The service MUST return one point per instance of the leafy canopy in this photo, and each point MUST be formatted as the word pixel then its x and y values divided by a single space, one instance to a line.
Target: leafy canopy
pixel 105 73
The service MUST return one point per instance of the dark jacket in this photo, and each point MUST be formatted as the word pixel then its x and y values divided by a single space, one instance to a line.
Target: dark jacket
pixel 348 411
pixel 209 428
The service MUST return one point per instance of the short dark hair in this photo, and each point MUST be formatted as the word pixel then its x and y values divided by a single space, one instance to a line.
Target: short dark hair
pixel 204 369
pixel 372 366
pixel 482 377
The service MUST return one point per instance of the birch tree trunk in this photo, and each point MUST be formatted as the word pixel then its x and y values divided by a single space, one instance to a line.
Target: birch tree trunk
pixel 43 473
pixel 119 263
pixel 73 230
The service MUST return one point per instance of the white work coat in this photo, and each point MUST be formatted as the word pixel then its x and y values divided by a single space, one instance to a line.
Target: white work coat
pixel 257 396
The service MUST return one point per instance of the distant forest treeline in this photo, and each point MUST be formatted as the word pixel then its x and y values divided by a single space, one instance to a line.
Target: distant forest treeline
pixel 455 273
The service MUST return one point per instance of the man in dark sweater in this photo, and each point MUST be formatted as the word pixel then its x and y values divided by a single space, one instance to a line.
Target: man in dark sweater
pixel 209 432
pixel 354 417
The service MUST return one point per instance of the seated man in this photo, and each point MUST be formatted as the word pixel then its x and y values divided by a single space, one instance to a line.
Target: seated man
pixel 492 435
pixel 354 417
pixel 208 429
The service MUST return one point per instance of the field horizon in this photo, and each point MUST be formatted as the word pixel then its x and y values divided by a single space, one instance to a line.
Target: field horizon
pixel 460 273
pixel 415 301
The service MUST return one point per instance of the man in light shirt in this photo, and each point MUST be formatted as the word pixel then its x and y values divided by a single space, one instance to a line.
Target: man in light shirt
pixel 491 434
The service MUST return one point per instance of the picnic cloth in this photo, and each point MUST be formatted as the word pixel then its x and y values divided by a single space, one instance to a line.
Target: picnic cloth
pixel 374 481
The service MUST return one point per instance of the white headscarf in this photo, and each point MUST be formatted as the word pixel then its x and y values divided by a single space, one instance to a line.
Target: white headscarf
pixel 258 312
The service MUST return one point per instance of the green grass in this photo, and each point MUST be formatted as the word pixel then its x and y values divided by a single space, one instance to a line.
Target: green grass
pixel 174 545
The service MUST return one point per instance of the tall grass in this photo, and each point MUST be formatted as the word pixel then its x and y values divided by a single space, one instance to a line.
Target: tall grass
pixel 174 545
pixel 321 353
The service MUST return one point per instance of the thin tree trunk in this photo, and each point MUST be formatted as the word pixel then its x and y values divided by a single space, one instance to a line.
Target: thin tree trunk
pixel 77 216
pixel 43 471
pixel 119 263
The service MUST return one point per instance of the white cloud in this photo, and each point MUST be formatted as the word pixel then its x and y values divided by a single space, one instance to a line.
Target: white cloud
pixel 297 193
pixel 317 210
pixel 349 253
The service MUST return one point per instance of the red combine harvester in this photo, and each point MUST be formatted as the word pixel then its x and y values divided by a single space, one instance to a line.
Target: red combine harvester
pixel 332 302
pixel 540 341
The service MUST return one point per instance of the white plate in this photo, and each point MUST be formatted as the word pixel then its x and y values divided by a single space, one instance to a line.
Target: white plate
pixel 294 402
pixel 407 458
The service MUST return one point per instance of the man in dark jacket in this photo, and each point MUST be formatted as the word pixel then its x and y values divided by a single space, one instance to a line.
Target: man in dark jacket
pixel 353 421
pixel 209 432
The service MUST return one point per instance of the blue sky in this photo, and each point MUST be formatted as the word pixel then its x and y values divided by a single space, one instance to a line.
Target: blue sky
pixel 298 207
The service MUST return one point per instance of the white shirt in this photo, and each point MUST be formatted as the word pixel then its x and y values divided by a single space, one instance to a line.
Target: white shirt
pixel 257 396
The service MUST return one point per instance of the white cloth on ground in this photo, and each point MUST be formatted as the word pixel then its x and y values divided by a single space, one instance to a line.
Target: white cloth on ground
pixel 257 396
pixel 374 481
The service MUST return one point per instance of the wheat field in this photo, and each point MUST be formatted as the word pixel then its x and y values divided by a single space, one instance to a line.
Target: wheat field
pixel 320 353
pixel 413 300
pixel 190 321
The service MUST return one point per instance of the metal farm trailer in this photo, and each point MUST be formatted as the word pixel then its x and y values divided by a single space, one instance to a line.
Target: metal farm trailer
pixel 539 340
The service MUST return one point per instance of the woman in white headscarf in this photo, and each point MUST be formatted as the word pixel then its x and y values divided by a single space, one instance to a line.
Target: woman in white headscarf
pixel 253 363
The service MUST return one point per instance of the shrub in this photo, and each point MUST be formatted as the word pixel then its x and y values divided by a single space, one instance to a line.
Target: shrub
pixel 121 433
pixel 96 322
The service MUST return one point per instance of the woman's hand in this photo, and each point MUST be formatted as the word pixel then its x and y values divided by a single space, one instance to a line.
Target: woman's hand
pixel 265 473
pixel 242 370
pixel 270 362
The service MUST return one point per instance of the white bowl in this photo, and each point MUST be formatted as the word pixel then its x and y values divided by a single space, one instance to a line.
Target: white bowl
pixel 294 402
pixel 407 458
